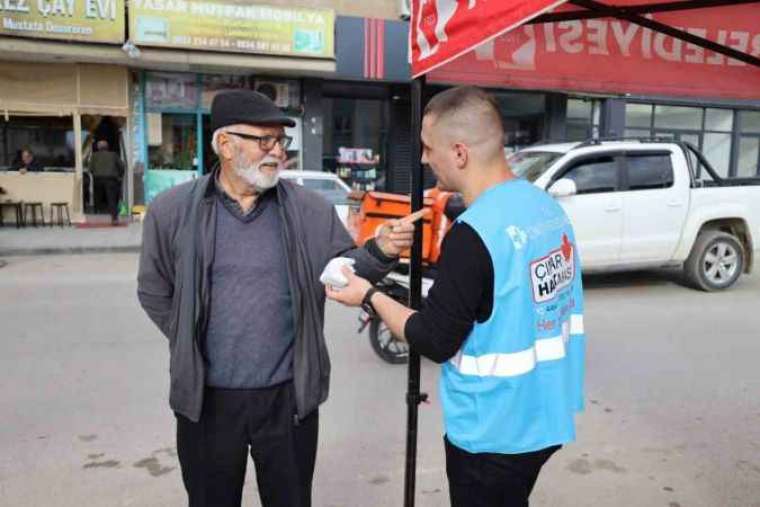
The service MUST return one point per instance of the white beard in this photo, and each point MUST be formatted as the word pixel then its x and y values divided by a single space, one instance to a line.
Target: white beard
pixel 254 176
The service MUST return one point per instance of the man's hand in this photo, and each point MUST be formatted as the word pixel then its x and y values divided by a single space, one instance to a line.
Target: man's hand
pixel 395 236
pixel 353 293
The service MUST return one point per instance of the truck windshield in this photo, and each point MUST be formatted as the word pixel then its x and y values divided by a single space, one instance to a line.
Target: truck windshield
pixel 532 164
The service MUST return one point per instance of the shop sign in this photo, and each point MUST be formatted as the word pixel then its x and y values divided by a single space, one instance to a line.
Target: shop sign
pixel 618 57
pixel 233 26
pixel 71 20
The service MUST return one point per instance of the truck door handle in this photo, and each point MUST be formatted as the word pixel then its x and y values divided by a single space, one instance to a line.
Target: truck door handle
pixel 612 208
pixel 675 204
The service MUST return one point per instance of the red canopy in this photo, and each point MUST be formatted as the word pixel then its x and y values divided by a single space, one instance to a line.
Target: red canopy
pixel 704 48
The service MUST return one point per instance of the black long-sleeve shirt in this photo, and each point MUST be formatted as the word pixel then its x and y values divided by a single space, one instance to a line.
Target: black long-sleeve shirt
pixel 462 295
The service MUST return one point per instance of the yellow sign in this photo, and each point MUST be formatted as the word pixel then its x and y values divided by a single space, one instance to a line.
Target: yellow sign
pixel 79 20
pixel 232 26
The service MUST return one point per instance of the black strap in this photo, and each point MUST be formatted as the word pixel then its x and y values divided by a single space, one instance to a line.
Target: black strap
pixel 367 302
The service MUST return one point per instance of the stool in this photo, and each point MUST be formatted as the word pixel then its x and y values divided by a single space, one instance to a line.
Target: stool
pixel 16 207
pixel 59 208
pixel 33 207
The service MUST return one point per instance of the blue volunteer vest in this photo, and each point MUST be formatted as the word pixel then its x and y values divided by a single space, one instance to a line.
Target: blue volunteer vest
pixel 517 382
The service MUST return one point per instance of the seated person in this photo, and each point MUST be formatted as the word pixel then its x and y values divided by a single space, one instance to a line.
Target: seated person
pixel 27 162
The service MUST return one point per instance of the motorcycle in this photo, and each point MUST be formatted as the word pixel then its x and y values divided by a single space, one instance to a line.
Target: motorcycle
pixel 374 210
pixel 385 345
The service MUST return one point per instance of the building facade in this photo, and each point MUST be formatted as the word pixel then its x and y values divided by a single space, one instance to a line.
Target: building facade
pixel 339 68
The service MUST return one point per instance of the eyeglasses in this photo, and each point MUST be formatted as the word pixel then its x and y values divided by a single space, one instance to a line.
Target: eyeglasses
pixel 266 143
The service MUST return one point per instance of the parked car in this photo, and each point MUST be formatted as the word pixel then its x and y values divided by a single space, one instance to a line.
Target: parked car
pixel 330 186
pixel 643 204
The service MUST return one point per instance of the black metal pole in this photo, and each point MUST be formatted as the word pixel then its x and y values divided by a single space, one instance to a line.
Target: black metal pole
pixel 413 397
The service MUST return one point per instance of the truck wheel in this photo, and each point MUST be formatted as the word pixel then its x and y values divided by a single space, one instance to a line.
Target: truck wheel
pixel 716 261
pixel 385 345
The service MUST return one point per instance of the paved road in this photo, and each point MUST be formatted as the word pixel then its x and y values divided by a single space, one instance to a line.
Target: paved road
pixel 673 388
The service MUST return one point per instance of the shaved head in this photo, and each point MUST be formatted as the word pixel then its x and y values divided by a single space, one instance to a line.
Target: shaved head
pixel 470 116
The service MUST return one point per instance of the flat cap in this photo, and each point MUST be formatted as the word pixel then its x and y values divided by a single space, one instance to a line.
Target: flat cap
pixel 246 106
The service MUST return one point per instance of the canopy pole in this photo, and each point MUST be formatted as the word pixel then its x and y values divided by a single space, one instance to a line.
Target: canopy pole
pixel 413 395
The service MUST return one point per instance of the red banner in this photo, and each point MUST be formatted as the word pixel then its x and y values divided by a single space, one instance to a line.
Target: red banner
pixel 612 56
pixel 442 30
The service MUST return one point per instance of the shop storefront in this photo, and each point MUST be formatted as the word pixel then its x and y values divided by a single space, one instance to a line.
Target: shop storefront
pixel 355 139
pixel 171 112
pixel 56 112
pixel 171 109
pixel 53 113
pixel 610 78
pixel 728 137
pixel 366 112
pixel 365 106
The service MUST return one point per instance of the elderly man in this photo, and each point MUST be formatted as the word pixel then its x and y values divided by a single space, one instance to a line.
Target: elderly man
pixel 505 313
pixel 229 272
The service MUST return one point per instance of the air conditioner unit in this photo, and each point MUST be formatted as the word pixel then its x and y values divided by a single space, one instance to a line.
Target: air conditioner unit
pixel 278 92
pixel 405 9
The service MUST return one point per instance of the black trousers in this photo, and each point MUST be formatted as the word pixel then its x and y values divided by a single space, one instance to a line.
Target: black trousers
pixel 492 480
pixel 213 453
pixel 107 191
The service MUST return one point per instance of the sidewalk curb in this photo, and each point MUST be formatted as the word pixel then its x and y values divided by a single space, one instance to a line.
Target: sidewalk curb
pixel 19 252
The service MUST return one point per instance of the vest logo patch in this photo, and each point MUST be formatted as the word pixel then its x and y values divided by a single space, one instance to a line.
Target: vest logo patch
pixel 553 273
pixel 518 236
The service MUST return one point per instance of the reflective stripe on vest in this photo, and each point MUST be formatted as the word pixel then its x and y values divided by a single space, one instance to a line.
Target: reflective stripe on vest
pixel 518 363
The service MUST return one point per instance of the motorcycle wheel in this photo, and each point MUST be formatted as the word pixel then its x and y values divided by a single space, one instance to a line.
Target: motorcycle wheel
pixel 385 345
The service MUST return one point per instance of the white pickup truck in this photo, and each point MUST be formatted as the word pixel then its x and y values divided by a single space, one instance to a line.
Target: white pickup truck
pixel 645 204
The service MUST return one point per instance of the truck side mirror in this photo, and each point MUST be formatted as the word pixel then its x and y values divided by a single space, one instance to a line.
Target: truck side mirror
pixel 564 187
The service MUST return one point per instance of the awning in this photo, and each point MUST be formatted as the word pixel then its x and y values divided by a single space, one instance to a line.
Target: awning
pixel 64 89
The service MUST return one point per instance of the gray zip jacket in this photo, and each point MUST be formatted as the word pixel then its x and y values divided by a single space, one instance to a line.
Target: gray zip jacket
pixel 173 282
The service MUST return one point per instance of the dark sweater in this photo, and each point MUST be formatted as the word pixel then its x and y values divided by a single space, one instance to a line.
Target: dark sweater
pixel 250 334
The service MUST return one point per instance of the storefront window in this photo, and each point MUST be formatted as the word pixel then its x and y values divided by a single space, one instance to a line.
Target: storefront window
pixel 579 109
pixel 692 139
pixel 710 130
pixel 213 84
pixel 749 144
pixel 750 121
pixel 583 117
pixel 749 156
pixel 50 139
pixel 635 133
pixel 523 115
pixel 177 128
pixel 676 117
pixel 354 141
pixel 638 115
pixel 171 91
pixel 294 153
pixel 721 120
pixel 172 141
pixel 717 150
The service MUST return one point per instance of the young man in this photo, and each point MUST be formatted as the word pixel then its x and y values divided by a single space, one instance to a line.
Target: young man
pixel 505 316
pixel 229 272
